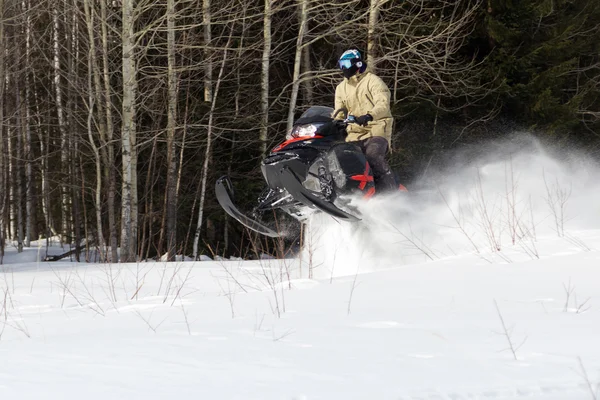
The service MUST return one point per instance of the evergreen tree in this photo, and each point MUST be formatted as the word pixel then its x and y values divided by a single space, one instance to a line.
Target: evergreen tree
pixel 545 52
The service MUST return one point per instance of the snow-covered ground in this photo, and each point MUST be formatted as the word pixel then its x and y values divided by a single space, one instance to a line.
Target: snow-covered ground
pixel 485 286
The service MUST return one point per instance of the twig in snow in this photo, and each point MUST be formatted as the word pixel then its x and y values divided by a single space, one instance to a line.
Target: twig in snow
pixel 66 287
pixel 421 247
pixel 5 305
pixel 581 308
pixel 187 323
pixel 147 321
pixel 227 271
pixel 557 202
pixel 457 219
pixel 352 290
pixel 181 286
pixel 89 296
pixel 507 334
pixel 576 241
pixel 568 290
pixel 587 380
pixel 286 334
pixel 257 323
pixel 229 294
pixel 488 217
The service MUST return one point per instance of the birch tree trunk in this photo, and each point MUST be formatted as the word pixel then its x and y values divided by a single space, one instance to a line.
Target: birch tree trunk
pixel 110 145
pixel 44 142
pixel 2 164
pixel 371 39
pixel 17 154
pixel 128 137
pixel 30 184
pixel 308 83
pixel 439 99
pixel 171 195
pixel 266 61
pixel 303 17
pixel 20 173
pixel 206 21
pixel 184 130
pixel 92 98
pixel 12 214
pixel 147 223
pixel 73 62
pixel 98 163
pixel 65 217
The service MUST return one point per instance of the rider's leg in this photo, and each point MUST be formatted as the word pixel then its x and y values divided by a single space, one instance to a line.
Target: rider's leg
pixel 375 149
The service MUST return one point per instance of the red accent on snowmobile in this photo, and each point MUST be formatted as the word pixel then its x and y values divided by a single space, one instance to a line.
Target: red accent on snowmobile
pixel 279 147
pixel 402 188
pixel 364 178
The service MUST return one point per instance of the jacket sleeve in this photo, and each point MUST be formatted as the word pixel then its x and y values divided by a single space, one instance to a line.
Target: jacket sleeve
pixel 339 101
pixel 380 95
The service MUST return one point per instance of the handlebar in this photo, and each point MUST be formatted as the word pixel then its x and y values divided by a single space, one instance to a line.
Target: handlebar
pixel 350 119
pixel 336 112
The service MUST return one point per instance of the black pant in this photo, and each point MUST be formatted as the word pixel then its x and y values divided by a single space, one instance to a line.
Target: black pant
pixel 375 149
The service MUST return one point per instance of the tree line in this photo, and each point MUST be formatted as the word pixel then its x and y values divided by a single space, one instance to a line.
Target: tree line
pixel 117 116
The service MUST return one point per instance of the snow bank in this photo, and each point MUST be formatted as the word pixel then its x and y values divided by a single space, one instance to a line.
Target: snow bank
pixel 465 320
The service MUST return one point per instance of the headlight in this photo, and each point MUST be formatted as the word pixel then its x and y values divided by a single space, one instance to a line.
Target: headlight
pixel 303 131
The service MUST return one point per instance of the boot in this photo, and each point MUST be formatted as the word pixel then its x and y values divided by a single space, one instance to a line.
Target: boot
pixel 386 183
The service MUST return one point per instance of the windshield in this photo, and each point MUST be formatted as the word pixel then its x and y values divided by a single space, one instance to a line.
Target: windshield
pixel 315 114
pixel 320 111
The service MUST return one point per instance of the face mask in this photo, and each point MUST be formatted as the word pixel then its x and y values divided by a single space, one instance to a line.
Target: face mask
pixel 350 72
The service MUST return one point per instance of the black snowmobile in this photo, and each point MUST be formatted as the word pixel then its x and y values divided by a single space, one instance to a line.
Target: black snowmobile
pixel 313 170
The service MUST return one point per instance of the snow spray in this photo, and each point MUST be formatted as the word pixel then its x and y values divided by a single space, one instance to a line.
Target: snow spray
pixel 482 200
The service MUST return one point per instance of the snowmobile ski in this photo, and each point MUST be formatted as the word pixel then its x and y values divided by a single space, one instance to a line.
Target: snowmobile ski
pixel 224 193
pixel 305 196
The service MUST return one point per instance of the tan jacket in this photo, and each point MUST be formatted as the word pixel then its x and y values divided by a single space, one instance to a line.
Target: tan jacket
pixel 364 94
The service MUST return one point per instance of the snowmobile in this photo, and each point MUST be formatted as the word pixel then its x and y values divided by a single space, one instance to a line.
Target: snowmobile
pixel 313 170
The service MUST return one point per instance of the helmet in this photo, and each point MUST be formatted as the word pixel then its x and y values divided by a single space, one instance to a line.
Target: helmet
pixel 351 62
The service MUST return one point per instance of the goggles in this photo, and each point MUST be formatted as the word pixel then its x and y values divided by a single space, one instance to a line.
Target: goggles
pixel 345 64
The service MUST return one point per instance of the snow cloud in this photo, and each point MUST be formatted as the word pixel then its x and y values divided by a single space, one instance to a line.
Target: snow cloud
pixel 483 200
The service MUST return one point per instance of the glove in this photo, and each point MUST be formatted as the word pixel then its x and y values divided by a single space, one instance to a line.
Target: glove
pixel 364 119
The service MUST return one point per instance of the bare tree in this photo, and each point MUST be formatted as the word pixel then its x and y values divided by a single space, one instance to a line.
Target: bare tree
pixel 60 112
pixel 171 195
pixel 44 144
pixel 303 19
pixel 420 46
pixel 110 142
pixel 374 8
pixel 206 21
pixel 2 154
pixel 16 149
pixel 30 185
pixel 307 71
pixel 129 203
pixel 92 72
pixel 266 62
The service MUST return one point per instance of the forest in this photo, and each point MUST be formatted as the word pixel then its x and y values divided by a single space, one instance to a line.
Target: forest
pixel 119 115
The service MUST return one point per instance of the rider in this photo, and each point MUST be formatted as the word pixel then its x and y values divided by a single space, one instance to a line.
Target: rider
pixel 364 95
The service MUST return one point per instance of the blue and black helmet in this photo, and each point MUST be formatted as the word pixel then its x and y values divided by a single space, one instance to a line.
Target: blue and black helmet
pixel 351 61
